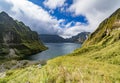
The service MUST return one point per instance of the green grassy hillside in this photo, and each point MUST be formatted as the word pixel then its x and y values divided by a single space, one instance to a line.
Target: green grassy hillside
pixel 101 65
pixel 107 32
pixel 98 61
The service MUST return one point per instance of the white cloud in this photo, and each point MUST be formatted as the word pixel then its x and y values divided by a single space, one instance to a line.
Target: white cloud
pixel 41 21
pixel 32 15
pixel 94 10
pixel 53 4
pixel 69 31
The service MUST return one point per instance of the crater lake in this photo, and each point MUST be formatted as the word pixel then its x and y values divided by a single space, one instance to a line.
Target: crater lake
pixel 54 50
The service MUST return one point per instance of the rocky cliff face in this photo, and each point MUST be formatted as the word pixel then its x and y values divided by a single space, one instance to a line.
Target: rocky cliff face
pixel 80 38
pixel 17 39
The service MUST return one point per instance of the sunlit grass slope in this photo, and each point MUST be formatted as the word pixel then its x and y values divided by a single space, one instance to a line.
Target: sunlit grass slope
pixel 101 65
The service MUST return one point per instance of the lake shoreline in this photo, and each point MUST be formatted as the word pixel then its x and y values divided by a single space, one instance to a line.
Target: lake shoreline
pixel 54 50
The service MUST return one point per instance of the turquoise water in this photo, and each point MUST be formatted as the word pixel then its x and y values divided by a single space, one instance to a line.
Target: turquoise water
pixel 55 49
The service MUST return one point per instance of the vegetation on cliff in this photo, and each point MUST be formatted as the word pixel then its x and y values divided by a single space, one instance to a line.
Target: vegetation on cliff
pixel 17 39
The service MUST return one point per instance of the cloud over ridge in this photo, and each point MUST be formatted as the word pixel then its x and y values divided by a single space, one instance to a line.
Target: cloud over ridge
pixel 43 22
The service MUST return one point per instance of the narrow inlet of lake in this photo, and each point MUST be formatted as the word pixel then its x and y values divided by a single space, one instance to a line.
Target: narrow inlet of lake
pixel 55 50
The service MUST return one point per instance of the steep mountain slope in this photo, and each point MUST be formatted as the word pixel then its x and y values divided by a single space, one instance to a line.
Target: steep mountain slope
pixel 80 38
pixel 98 61
pixel 17 39
pixel 107 32
pixel 104 43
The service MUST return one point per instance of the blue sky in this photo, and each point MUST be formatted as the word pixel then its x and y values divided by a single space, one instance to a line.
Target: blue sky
pixel 62 17
pixel 59 14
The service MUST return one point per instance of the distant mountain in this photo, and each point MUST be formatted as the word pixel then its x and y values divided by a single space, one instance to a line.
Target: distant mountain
pixel 48 38
pixel 17 39
pixel 80 38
